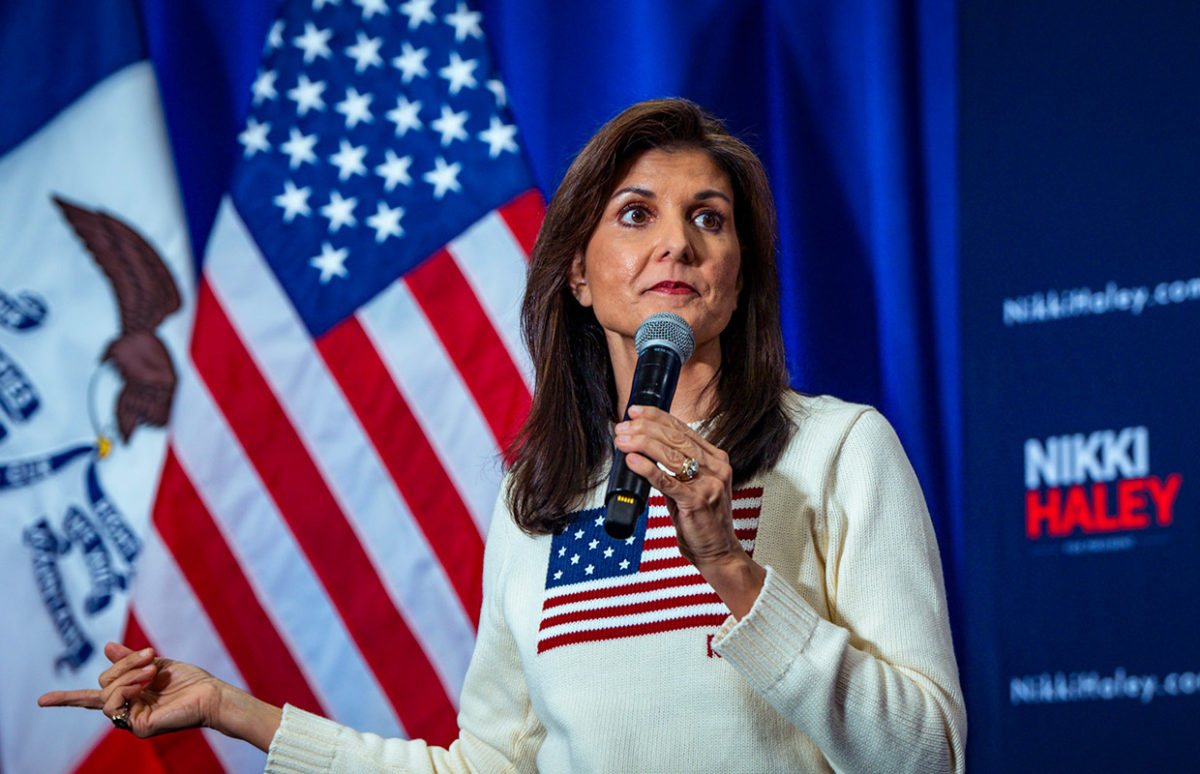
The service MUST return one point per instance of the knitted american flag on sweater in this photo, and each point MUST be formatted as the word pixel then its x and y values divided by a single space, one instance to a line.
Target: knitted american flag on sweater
pixel 598 588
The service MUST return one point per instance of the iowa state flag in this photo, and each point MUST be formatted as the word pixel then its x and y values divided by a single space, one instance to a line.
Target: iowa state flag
pixel 96 297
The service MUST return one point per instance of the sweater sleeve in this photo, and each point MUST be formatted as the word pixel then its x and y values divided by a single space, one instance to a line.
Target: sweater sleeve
pixel 498 731
pixel 875 685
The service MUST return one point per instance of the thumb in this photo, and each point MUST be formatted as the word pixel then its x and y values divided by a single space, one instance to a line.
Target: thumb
pixel 115 651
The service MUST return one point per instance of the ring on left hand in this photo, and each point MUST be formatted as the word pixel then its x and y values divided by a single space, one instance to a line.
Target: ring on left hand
pixel 688 471
pixel 121 719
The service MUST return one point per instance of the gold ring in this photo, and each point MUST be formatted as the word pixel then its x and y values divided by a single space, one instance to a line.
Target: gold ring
pixel 688 471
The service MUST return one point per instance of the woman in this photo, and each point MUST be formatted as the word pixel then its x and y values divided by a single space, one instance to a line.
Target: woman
pixel 789 614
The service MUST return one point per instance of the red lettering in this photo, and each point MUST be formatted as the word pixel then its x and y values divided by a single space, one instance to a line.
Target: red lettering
pixel 1037 512
pixel 1131 503
pixel 1164 497
pixel 1102 520
pixel 1076 513
pixel 708 643
pixel 1060 511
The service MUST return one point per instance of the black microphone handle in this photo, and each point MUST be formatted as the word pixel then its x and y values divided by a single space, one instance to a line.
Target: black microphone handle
pixel 654 381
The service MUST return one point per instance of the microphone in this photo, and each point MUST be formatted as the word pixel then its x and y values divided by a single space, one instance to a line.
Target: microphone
pixel 664 342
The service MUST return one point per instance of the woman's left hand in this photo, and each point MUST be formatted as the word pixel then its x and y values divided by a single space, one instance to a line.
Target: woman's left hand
pixel 700 507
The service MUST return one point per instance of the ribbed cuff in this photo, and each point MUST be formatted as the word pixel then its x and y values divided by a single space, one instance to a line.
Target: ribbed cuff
pixel 304 743
pixel 763 645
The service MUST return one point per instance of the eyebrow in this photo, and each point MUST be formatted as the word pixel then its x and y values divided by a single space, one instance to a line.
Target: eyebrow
pixel 710 193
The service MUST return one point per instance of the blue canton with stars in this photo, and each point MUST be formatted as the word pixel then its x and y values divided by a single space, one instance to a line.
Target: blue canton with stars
pixel 584 551
pixel 378 133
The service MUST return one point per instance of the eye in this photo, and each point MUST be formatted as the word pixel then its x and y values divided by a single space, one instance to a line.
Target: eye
pixel 709 220
pixel 634 215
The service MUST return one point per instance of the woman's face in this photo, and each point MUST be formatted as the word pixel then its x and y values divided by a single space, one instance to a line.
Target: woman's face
pixel 666 242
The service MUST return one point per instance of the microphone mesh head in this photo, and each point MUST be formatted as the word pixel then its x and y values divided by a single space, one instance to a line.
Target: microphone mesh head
pixel 664 329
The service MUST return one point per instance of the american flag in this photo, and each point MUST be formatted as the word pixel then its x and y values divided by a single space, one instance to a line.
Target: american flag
pixel 598 588
pixel 354 372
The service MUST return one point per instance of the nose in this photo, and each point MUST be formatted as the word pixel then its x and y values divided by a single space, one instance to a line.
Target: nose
pixel 675 241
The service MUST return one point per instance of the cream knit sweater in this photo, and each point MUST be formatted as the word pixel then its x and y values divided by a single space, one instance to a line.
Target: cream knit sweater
pixel 844 663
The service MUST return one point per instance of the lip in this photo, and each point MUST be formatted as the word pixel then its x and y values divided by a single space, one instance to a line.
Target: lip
pixel 673 288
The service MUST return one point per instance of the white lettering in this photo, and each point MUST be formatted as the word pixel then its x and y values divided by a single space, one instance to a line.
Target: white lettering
pixel 1101 456
pixel 1041 463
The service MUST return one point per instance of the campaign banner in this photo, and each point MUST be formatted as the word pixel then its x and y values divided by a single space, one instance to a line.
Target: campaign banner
pixel 1080 307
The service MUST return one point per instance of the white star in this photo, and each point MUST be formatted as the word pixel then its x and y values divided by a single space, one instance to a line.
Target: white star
pixel 499 137
pixel 340 211
pixel 624 564
pixel 300 148
pixel 314 42
pixel 254 137
pixel 356 108
pixel 386 222
pixel 459 73
pixel 264 86
pixel 275 36
pixel 404 115
pixel 444 177
pixel 593 544
pixel 365 53
pixel 578 534
pixel 349 160
pixel 575 559
pixel 589 569
pixel 394 170
pixel 450 125
pixel 332 263
pixel 496 87
pixel 599 522
pixel 411 62
pixel 294 201
pixel 465 23
pixel 372 7
pixel 558 575
pixel 417 12
pixel 562 551
pixel 307 95
pixel 608 552
pixel 319 4
pixel 629 540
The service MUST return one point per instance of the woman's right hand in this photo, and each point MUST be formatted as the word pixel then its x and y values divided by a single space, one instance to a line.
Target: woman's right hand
pixel 162 695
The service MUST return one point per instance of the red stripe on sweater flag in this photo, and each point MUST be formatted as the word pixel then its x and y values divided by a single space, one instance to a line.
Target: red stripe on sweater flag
pixel 304 500
pixel 637 630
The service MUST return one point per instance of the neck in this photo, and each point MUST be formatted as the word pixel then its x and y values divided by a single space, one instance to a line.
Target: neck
pixel 695 394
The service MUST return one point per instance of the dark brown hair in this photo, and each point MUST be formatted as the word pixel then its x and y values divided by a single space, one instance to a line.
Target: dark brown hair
pixel 560 453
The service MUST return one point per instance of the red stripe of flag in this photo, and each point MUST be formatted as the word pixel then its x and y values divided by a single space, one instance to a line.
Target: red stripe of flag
pixel 658 501
pixel 471 341
pixel 654 627
pixel 410 459
pixel 523 216
pixel 619 591
pixel 219 584
pixel 308 506
pixel 635 608
pixel 662 564
pixel 747 533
